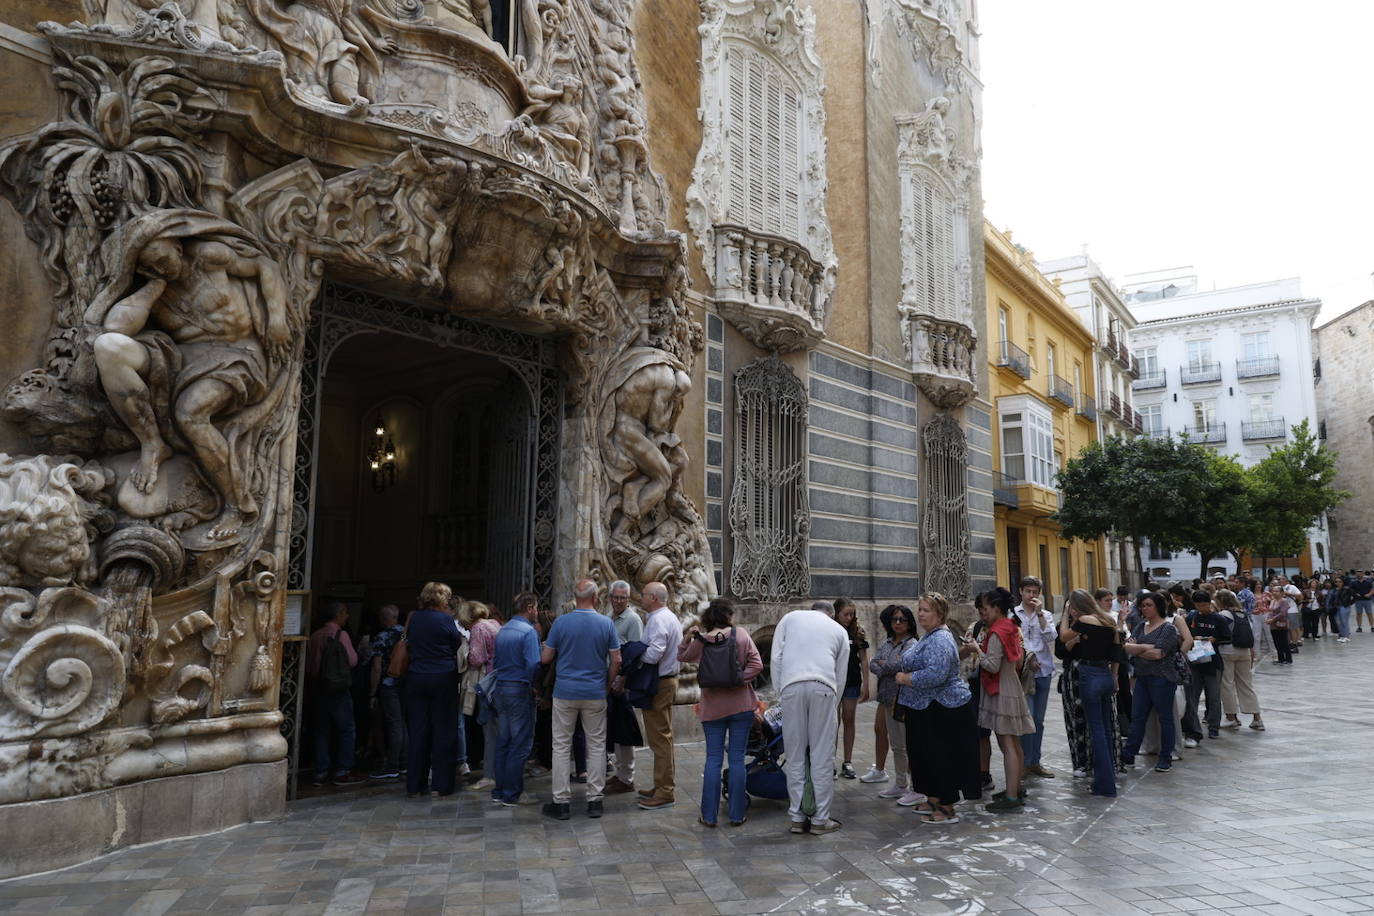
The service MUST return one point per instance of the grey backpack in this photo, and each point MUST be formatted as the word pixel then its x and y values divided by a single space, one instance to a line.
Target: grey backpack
pixel 719 666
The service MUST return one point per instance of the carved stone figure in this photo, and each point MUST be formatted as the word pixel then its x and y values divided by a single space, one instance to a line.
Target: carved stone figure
pixel 927 137
pixel 327 46
pixel 557 110
pixel 194 350
pixel 50 514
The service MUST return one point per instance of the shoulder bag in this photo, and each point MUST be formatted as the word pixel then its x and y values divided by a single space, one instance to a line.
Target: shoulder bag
pixel 399 663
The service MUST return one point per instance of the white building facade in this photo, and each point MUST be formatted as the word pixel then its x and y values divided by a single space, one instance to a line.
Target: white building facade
pixel 1231 368
pixel 1100 305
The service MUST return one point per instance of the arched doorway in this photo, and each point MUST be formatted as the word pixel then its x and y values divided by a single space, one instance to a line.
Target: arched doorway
pixel 470 418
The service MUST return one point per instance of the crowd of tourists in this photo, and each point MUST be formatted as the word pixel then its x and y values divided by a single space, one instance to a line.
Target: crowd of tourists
pixel 573 696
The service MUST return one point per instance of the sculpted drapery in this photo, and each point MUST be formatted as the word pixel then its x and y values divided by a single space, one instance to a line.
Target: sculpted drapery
pixel 186 208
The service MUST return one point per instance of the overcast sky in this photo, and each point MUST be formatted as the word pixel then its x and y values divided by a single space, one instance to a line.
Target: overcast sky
pixel 1233 135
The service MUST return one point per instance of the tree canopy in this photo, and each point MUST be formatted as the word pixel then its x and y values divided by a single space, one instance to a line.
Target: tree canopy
pixel 1182 495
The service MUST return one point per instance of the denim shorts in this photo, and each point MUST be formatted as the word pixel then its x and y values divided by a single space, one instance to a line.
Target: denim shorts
pixel 850 693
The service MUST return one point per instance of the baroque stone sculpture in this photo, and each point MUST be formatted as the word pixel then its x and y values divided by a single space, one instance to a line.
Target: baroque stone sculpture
pixel 213 161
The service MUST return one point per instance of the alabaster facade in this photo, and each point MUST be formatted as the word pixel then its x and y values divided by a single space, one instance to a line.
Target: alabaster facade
pixel 721 261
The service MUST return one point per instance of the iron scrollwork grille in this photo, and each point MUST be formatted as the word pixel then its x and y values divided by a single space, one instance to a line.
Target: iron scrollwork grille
pixel 770 519
pixel 945 528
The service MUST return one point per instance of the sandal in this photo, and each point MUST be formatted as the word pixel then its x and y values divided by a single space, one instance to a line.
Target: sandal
pixel 945 814
pixel 924 808
pixel 705 823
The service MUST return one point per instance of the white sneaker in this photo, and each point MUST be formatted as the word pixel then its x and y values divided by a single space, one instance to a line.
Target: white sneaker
pixel 1080 774
pixel 464 770
pixel 484 783
pixel 1190 742
pixel 893 792
pixel 911 799
pixel 874 775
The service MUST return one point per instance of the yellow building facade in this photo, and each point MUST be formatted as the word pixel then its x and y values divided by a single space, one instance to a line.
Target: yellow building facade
pixel 1041 386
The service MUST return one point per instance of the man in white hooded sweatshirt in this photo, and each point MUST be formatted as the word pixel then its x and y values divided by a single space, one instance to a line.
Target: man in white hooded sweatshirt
pixel 809 661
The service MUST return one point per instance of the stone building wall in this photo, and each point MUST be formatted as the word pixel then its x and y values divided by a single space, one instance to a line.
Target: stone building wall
pixel 1344 390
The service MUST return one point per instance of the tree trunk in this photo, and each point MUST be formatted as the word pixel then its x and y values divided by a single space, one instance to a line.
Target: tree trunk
pixel 1206 558
pixel 1139 565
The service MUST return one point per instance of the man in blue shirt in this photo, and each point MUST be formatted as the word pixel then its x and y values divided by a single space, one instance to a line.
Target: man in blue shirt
pixel 1364 602
pixel 515 662
pixel 586 648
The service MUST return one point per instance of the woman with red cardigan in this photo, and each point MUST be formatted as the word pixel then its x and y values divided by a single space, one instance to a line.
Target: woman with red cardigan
pixel 1002 706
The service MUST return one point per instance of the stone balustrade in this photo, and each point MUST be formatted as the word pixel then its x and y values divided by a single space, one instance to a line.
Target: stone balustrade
pixel 769 288
pixel 942 358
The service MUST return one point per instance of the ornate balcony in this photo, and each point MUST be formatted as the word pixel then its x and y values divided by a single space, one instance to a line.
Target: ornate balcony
pixel 1087 407
pixel 1152 380
pixel 1010 356
pixel 1200 373
pixel 1206 434
pixel 768 287
pixel 1061 390
pixel 941 353
pixel 1260 367
pixel 1264 429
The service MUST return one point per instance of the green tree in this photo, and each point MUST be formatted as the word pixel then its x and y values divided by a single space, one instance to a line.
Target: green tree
pixel 1292 487
pixel 1156 488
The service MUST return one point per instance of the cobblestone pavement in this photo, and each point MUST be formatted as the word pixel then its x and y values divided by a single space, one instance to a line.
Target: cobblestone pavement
pixel 1272 822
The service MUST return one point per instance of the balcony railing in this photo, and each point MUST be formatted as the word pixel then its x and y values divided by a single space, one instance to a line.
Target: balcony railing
pixel 1127 414
pixel 769 287
pixel 1155 432
pixel 1087 407
pixel 1150 380
pixel 1134 367
pixel 1137 421
pixel 1004 490
pixel 1111 403
pixel 942 359
pixel 1206 434
pixel 1010 356
pixel 1200 373
pixel 1257 368
pixel 1263 429
pixel 1061 390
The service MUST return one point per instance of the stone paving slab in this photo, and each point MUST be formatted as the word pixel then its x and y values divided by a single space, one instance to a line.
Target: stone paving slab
pixel 1273 822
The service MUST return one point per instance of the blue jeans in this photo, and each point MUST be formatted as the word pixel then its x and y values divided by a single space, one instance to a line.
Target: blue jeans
pixel 334 719
pixel 1030 744
pixel 514 738
pixel 1343 620
pixel 1152 693
pixel 1096 687
pixel 736 727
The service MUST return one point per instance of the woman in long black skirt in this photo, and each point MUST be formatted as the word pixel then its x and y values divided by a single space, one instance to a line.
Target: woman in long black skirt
pixel 942 731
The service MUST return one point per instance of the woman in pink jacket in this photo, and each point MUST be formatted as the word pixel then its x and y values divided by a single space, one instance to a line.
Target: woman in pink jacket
pixel 726 713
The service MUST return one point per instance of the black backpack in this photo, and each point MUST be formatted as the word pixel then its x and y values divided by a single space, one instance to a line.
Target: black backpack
pixel 1242 634
pixel 719 665
pixel 336 675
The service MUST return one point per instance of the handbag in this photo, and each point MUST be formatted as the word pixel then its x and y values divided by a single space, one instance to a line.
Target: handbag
pixel 1028 670
pixel 399 662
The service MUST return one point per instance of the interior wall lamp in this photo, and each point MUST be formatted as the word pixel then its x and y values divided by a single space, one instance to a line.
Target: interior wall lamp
pixel 381 458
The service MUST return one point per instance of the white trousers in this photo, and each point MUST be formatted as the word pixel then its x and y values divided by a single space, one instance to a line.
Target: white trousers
pixel 809 722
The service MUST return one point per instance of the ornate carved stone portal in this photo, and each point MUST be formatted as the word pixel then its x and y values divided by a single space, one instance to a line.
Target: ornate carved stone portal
pixel 214 161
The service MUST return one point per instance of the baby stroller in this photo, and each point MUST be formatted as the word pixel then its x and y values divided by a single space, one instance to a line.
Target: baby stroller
pixel 763 765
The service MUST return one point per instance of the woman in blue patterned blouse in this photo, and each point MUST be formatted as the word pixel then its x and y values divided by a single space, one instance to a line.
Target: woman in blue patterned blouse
pixel 941 731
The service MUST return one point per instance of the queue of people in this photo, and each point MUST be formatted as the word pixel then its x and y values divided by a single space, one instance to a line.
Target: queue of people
pixel 1139 675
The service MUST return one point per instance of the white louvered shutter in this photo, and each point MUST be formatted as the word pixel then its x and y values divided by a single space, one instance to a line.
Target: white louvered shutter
pixel 764 126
